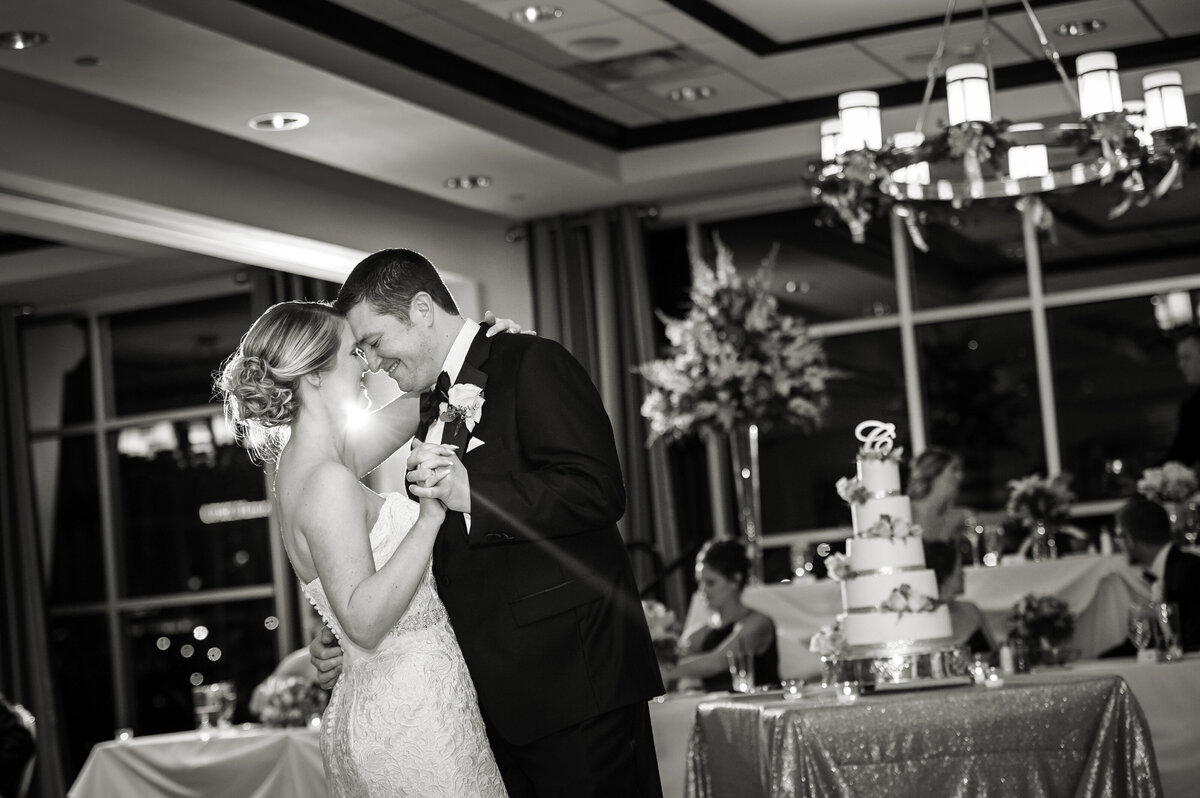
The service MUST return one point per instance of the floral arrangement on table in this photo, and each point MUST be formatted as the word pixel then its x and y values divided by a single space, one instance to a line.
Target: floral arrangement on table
pixel 1173 482
pixel 1036 498
pixel 1042 622
pixel 664 629
pixel 734 358
pixel 904 599
pixel 289 701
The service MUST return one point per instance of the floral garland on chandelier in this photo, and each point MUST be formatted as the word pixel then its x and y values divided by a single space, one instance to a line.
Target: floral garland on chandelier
pixel 734 359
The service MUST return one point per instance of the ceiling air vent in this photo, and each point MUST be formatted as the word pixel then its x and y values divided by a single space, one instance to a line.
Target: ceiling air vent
pixel 628 70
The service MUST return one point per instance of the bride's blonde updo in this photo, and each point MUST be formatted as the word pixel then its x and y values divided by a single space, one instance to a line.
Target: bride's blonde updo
pixel 258 382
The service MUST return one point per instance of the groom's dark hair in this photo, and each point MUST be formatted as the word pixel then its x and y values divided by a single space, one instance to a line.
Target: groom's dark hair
pixel 389 279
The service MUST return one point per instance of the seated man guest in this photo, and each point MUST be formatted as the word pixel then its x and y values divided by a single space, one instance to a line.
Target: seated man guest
pixel 722 568
pixel 1172 574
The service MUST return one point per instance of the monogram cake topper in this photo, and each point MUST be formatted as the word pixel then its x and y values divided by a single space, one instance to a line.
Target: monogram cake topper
pixel 877 437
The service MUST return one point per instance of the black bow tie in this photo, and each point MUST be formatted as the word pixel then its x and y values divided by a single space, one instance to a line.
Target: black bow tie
pixel 1149 576
pixel 431 400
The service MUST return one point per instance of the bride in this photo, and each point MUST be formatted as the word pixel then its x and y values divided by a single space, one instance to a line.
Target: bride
pixel 403 719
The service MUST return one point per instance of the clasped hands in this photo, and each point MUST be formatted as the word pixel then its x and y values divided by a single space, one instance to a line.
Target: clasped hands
pixel 435 472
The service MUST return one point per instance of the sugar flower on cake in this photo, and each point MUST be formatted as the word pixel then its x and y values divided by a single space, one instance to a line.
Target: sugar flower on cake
pixel 1036 498
pixel 1173 482
pixel 891 528
pixel 828 641
pixel 837 565
pixel 904 599
pixel 734 358
pixel 852 490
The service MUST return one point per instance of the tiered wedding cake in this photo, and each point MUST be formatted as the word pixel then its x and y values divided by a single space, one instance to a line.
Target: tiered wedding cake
pixel 889 597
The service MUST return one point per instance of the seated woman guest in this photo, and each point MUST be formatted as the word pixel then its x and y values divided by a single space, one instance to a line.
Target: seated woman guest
pixel 933 489
pixel 966 619
pixel 721 571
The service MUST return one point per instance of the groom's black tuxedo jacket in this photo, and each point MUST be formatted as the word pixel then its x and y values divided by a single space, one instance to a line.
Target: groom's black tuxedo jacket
pixel 541 592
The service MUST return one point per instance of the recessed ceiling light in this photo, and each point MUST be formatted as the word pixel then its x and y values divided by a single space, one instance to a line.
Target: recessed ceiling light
pixel 468 181
pixel 22 39
pixel 279 120
pixel 532 15
pixel 594 44
pixel 1083 27
pixel 690 94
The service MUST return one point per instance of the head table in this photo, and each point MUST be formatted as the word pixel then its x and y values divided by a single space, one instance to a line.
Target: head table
pixel 1076 734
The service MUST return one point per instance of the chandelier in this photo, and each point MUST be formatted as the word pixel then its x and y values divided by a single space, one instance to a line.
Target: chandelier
pixel 1142 145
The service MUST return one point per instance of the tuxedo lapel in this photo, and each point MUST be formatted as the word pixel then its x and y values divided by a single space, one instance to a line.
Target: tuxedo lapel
pixel 471 374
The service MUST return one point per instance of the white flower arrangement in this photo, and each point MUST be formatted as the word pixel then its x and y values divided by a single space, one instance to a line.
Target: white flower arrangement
pixel 1173 482
pixel 1035 498
pixel 661 620
pixel 734 358
pixel 289 701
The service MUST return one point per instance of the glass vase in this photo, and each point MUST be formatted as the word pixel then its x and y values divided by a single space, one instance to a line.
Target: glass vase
pixel 743 454
pixel 1041 541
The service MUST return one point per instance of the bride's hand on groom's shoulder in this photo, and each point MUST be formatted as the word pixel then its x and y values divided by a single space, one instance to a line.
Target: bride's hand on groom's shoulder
pixel 326 657
pixel 502 325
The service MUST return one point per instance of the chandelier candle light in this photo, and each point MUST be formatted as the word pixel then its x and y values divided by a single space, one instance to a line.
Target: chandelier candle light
pixel 1145 145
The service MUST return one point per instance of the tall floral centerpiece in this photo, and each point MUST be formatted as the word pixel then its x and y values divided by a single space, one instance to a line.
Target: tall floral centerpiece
pixel 735 366
pixel 1174 486
pixel 1040 504
pixel 1040 625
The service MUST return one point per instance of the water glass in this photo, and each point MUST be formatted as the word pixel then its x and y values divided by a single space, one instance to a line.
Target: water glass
pixel 992 545
pixel 1170 632
pixel 227 691
pixel 206 704
pixel 1143 630
pixel 741 670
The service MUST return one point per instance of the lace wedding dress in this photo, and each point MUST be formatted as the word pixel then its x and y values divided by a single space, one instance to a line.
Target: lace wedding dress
pixel 403 719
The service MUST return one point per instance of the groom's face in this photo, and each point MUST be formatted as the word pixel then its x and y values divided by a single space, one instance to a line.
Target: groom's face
pixel 403 351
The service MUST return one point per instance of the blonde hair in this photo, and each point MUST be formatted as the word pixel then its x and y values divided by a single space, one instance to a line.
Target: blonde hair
pixel 258 382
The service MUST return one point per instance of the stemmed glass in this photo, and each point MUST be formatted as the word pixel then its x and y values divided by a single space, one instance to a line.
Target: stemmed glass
pixel 1142 627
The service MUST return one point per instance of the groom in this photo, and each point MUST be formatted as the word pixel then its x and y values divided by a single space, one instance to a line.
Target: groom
pixel 529 562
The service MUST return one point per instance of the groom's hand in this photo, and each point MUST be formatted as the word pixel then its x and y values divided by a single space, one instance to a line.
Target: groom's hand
pixel 326 656
pixel 435 472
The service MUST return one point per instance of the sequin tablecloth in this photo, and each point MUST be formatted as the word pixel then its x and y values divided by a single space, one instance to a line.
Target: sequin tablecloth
pixel 1071 735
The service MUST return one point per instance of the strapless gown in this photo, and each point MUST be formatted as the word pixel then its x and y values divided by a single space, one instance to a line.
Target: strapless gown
pixel 404 719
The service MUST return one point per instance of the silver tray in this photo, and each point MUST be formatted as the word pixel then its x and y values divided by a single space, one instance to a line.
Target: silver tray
pixel 900 668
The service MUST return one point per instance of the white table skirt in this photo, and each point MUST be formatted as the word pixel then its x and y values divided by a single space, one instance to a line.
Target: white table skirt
pixel 234 763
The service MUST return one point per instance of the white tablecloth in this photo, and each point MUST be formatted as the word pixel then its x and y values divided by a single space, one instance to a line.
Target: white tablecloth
pixel 234 763
pixel 1097 588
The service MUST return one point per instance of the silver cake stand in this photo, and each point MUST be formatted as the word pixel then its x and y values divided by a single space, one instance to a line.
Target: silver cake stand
pixel 907 665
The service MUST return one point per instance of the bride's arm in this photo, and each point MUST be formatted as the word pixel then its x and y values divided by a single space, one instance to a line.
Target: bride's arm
pixel 367 602
pixel 394 424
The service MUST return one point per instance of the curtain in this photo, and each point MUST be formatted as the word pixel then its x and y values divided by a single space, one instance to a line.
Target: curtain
pixel 25 667
pixel 590 292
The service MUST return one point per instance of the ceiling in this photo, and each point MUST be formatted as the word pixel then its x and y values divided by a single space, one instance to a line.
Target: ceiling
pixel 572 113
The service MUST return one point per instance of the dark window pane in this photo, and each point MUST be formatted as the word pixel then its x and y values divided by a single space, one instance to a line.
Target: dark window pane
pixel 57 375
pixel 81 663
pixel 1117 391
pixel 799 471
pixel 191 509
pixel 820 274
pixel 164 357
pixel 979 383
pixel 68 511
pixel 173 648
pixel 975 254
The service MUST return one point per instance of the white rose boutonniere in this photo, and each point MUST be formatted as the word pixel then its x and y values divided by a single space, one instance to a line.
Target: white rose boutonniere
pixel 464 405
